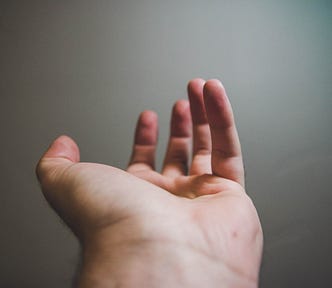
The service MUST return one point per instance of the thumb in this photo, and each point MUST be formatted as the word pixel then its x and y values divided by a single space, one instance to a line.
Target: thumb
pixel 61 154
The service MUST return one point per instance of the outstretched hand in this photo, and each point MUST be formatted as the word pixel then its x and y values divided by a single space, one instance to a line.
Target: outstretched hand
pixel 188 226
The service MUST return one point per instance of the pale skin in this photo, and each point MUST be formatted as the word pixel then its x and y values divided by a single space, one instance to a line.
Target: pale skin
pixel 192 225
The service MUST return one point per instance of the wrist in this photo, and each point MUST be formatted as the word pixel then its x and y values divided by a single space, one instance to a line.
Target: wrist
pixel 154 264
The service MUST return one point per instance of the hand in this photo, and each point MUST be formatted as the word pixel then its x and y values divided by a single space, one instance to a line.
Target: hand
pixel 186 227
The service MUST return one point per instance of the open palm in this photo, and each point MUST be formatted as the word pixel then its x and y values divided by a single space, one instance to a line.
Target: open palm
pixel 201 207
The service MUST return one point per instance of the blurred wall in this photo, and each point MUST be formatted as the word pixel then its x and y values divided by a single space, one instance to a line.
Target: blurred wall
pixel 88 68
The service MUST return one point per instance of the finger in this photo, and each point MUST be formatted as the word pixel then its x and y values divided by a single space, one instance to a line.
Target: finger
pixel 201 162
pixel 146 134
pixel 61 154
pixel 176 159
pixel 226 159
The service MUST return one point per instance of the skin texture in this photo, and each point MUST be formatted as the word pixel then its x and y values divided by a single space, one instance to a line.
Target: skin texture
pixel 190 225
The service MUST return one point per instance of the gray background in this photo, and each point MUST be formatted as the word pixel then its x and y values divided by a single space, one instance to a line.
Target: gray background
pixel 88 68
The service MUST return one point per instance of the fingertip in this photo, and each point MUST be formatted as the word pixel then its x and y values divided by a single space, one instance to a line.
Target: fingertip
pixel 195 95
pixel 148 117
pixel 212 87
pixel 217 105
pixel 146 130
pixel 63 147
pixel 181 107
pixel 181 119
pixel 195 84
